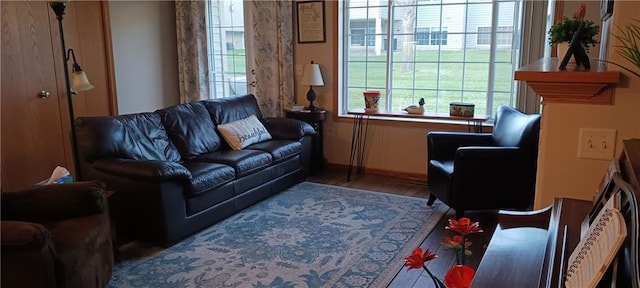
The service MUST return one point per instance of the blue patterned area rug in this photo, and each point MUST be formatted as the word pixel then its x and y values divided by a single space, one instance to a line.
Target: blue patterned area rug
pixel 311 235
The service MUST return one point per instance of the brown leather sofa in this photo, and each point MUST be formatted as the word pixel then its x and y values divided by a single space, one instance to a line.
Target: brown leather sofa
pixel 172 172
pixel 56 236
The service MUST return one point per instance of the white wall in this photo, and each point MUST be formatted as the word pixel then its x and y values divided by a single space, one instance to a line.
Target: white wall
pixel 145 53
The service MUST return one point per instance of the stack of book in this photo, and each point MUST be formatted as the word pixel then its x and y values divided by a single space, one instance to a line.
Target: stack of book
pixel 295 108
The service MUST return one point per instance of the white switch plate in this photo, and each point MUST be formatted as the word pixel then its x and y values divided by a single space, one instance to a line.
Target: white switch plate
pixel 596 143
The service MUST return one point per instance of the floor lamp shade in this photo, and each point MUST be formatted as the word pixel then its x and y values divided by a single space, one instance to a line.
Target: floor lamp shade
pixel 312 77
pixel 79 81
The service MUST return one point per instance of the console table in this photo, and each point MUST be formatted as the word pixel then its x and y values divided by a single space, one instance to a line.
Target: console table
pixel 359 137
pixel 316 119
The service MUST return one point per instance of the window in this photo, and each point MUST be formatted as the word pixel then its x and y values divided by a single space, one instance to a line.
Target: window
pixel 227 53
pixel 422 36
pixel 504 35
pixel 442 52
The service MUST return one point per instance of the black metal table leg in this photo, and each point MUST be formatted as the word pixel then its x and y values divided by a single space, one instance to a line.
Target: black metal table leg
pixel 358 140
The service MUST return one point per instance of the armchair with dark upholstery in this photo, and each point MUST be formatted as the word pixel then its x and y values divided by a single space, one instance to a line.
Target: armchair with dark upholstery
pixel 56 235
pixel 478 171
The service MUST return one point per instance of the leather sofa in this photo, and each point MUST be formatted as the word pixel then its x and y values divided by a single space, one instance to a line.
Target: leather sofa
pixel 56 236
pixel 173 174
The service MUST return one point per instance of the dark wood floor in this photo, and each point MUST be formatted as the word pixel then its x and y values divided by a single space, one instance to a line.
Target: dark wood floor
pixel 418 278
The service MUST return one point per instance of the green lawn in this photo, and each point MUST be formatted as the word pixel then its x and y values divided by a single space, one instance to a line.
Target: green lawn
pixel 439 83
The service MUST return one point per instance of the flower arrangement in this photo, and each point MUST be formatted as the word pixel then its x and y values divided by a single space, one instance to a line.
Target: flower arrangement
pixel 564 30
pixel 460 275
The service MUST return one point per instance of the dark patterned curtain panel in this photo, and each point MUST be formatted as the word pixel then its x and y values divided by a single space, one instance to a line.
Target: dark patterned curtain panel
pixel 193 70
pixel 272 34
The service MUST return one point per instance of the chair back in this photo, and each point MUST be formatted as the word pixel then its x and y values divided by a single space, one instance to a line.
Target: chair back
pixel 516 129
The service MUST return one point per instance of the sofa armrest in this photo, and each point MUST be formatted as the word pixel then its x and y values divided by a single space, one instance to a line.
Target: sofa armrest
pixel 443 145
pixel 288 128
pixel 54 202
pixel 142 169
pixel 27 255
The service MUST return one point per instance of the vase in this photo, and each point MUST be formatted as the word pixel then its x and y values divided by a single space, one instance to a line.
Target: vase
pixel 562 49
pixel 371 99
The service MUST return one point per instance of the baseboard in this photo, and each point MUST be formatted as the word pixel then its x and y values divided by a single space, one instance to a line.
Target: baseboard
pixel 420 178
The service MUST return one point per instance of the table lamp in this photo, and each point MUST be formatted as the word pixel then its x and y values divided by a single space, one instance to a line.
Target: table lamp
pixel 312 77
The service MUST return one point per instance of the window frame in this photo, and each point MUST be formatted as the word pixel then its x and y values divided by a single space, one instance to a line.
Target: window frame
pixel 342 87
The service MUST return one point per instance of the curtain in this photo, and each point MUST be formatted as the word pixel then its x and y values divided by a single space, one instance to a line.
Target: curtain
pixel 271 37
pixel 272 34
pixel 193 70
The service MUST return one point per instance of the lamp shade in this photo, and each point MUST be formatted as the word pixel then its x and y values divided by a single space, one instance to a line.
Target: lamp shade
pixel 79 81
pixel 312 75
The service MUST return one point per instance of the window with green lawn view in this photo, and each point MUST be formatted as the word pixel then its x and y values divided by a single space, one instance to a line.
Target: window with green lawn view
pixel 441 50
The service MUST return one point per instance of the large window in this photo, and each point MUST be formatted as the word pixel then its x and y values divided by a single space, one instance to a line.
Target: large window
pixel 446 51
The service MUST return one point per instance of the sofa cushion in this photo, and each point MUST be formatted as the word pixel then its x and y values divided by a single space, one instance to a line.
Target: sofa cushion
pixel 244 162
pixel 207 176
pixel 190 128
pixel 139 136
pixel 229 109
pixel 242 133
pixel 280 150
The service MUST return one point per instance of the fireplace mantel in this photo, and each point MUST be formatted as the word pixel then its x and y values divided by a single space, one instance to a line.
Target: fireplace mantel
pixel 573 85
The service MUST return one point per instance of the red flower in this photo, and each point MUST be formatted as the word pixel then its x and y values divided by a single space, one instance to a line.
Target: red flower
pixel 455 243
pixel 417 258
pixel 464 226
pixel 581 11
pixel 459 276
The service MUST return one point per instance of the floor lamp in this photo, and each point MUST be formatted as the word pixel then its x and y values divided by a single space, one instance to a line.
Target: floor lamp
pixel 78 82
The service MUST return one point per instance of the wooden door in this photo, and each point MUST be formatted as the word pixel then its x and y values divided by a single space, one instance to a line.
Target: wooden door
pixel 36 132
pixel 32 133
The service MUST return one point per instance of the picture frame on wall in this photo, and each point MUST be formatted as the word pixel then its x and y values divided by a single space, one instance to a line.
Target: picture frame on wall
pixel 606 9
pixel 311 22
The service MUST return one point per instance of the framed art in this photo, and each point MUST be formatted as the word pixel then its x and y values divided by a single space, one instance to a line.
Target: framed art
pixel 311 26
pixel 606 8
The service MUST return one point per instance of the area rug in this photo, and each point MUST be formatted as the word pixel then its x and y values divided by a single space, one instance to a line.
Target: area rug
pixel 310 235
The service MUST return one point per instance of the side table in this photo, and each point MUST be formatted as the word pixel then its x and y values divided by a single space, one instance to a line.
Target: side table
pixel 316 119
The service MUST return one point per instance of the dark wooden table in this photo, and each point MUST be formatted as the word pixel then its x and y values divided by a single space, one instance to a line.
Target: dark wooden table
pixel 316 119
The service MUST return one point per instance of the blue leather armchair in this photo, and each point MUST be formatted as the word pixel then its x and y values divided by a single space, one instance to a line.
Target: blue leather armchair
pixel 478 171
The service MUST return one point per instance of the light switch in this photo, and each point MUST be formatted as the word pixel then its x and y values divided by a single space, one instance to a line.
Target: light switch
pixel 597 143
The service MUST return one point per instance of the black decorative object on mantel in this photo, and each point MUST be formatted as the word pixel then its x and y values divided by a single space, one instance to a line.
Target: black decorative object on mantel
pixel 577 51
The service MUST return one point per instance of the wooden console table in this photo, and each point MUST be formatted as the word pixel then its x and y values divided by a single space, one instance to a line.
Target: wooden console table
pixel 359 137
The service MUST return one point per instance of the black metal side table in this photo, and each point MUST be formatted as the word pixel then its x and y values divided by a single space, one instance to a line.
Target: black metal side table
pixel 316 119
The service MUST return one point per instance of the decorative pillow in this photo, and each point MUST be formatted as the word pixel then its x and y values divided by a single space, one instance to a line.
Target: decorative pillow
pixel 242 133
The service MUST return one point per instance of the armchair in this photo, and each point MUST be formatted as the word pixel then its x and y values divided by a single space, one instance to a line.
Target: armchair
pixel 477 171
pixel 56 236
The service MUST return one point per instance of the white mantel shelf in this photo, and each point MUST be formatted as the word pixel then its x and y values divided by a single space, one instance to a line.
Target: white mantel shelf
pixel 573 85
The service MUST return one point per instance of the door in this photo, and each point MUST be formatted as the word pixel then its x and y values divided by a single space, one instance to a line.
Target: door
pixel 32 131
pixel 231 62
pixel 35 124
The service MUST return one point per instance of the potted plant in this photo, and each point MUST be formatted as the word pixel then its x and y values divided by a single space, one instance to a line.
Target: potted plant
pixel 562 32
pixel 629 38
